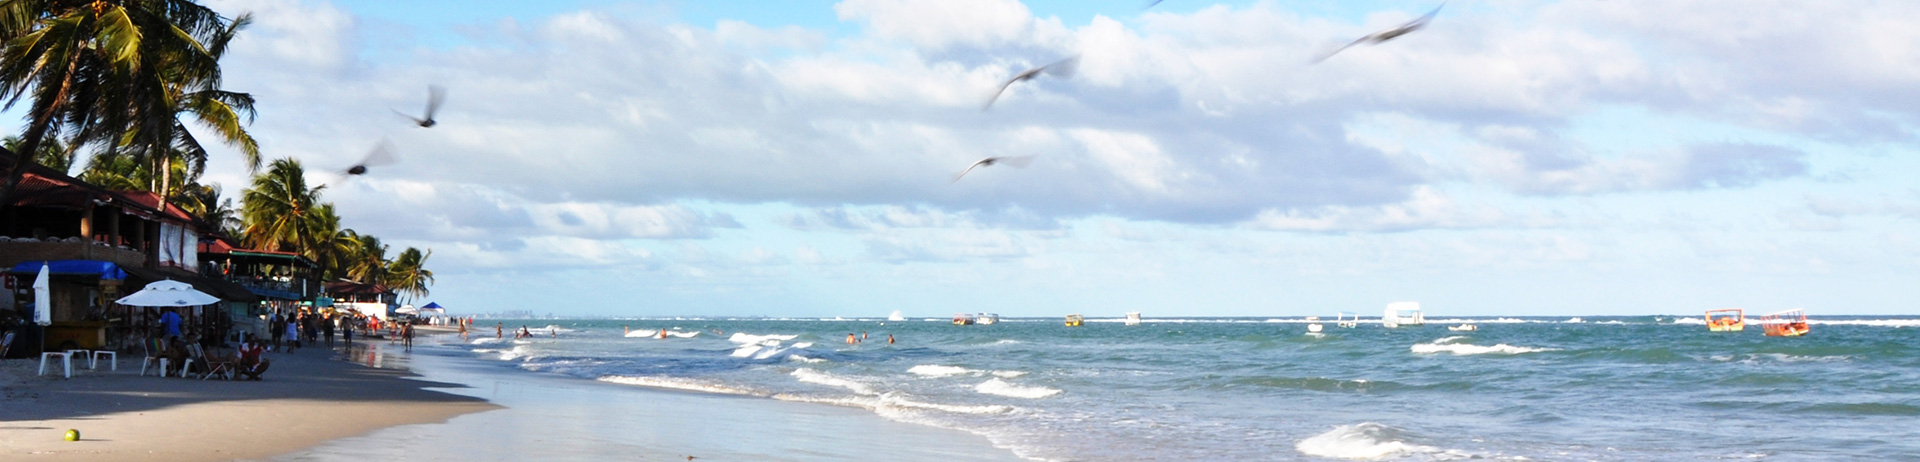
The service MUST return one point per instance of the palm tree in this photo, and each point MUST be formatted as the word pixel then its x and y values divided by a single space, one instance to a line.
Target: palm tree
pixel 91 68
pixel 184 86
pixel 332 245
pixel 368 260
pixel 277 208
pixel 53 154
pixel 407 274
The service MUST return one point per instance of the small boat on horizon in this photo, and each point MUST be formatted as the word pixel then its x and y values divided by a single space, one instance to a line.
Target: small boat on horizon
pixel 962 319
pixel 1133 318
pixel 1403 314
pixel 1789 323
pixel 1074 320
pixel 1726 320
pixel 986 319
pixel 1347 319
pixel 896 316
pixel 1463 327
pixel 1313 325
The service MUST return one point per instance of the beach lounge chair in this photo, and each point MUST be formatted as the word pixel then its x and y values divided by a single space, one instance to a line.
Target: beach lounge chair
pixel 213 366
pixel 155 348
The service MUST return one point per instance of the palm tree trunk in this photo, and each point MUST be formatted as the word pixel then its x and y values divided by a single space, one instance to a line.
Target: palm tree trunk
pixel 38 130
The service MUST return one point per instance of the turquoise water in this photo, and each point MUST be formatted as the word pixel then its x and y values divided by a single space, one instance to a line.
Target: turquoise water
pixel 1598 388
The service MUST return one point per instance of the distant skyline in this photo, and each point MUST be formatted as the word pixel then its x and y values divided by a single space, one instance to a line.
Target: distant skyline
pixel 794 158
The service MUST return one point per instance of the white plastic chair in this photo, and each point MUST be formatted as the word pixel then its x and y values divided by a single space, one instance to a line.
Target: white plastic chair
pixel 64 358
pixel 153 356
pixel 113 359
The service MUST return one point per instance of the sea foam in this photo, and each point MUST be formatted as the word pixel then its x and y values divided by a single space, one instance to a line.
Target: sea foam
pixel 935 370
pixel 1451 345
pixel 823 378
pixel 1364 441
pixel 676 383
pixel 739 337
pixel 999 387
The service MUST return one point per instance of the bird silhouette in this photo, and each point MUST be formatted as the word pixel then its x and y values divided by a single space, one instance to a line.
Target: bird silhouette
pixel 1016 161
pixel 1150 4
pixel 1389 34
pixel 435 95
pixel 1063 68
pixel 382 154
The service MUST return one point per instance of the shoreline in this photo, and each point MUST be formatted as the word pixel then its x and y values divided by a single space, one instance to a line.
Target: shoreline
pixel 309 397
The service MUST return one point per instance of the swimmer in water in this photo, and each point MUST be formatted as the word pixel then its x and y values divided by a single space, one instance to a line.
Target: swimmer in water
pixel 851 340
pixel 889 339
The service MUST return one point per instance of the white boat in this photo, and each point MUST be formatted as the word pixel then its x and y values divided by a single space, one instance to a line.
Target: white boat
pixel 986 318
pixel 1403 314
pixel 1133 318
pixel 1313 325
pixel 1463 327
pixel 896 316
pixel 1347 319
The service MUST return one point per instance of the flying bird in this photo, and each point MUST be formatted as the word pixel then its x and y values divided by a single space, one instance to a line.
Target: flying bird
pixel 1150 4
pixel 1017 161
pixel 435 95
pixel 1063 68
pixel 382 154
pixel 1388 34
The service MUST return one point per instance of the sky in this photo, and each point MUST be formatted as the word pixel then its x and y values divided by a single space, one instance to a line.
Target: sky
pixel 796 158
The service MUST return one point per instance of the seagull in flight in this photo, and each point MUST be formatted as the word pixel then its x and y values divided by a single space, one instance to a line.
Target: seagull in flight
pixel 1017 161
pixel 382 154
pixel 435 95
pixel 1063 68
pixel 1388 34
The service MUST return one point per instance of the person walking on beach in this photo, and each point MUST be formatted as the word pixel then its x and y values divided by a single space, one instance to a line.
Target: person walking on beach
pixel 406 332
pixel 347 331
pixel 497 330
pixel 293 334
pixel 326 327
pixel 273 328
pixel 463 331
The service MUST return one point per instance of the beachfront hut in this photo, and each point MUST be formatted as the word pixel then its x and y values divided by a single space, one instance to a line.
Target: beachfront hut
pixel 95 240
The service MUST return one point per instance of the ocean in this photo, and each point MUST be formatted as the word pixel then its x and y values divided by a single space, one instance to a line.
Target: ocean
pixel 1527 388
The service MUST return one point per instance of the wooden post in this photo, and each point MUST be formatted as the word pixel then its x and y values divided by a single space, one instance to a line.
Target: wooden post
pixel 113 226
pixel 86 221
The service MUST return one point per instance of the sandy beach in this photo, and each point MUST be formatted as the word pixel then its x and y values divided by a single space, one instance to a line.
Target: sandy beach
pixel 307 398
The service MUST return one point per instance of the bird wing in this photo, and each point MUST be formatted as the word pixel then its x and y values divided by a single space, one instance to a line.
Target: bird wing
pixel 1064 68
pixel 382 154
pixel 1323 57
pixel 1017 161
pixel 1150 4
pixel 996 93
pixel 956 178
pixel 408 116
pixel 435 95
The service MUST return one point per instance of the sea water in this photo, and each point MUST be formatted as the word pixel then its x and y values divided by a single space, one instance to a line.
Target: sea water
pixel 1589 388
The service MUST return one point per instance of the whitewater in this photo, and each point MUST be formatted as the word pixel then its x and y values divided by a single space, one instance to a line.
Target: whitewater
pixel 1520 388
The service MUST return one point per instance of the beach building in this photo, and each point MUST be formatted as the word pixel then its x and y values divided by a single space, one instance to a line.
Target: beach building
pixel 97 245
pixel 283 281
pixel 370 299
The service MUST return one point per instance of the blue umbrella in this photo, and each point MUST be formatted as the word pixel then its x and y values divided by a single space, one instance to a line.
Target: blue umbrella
pixel 431 305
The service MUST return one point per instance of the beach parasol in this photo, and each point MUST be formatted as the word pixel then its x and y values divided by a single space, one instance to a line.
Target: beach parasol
pixel 168 293
pixel 42 298
pixel 406 309
pixel 432 306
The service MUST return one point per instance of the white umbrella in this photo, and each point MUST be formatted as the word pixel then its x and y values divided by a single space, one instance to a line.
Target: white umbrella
pixel 42 298
pixel 168 293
